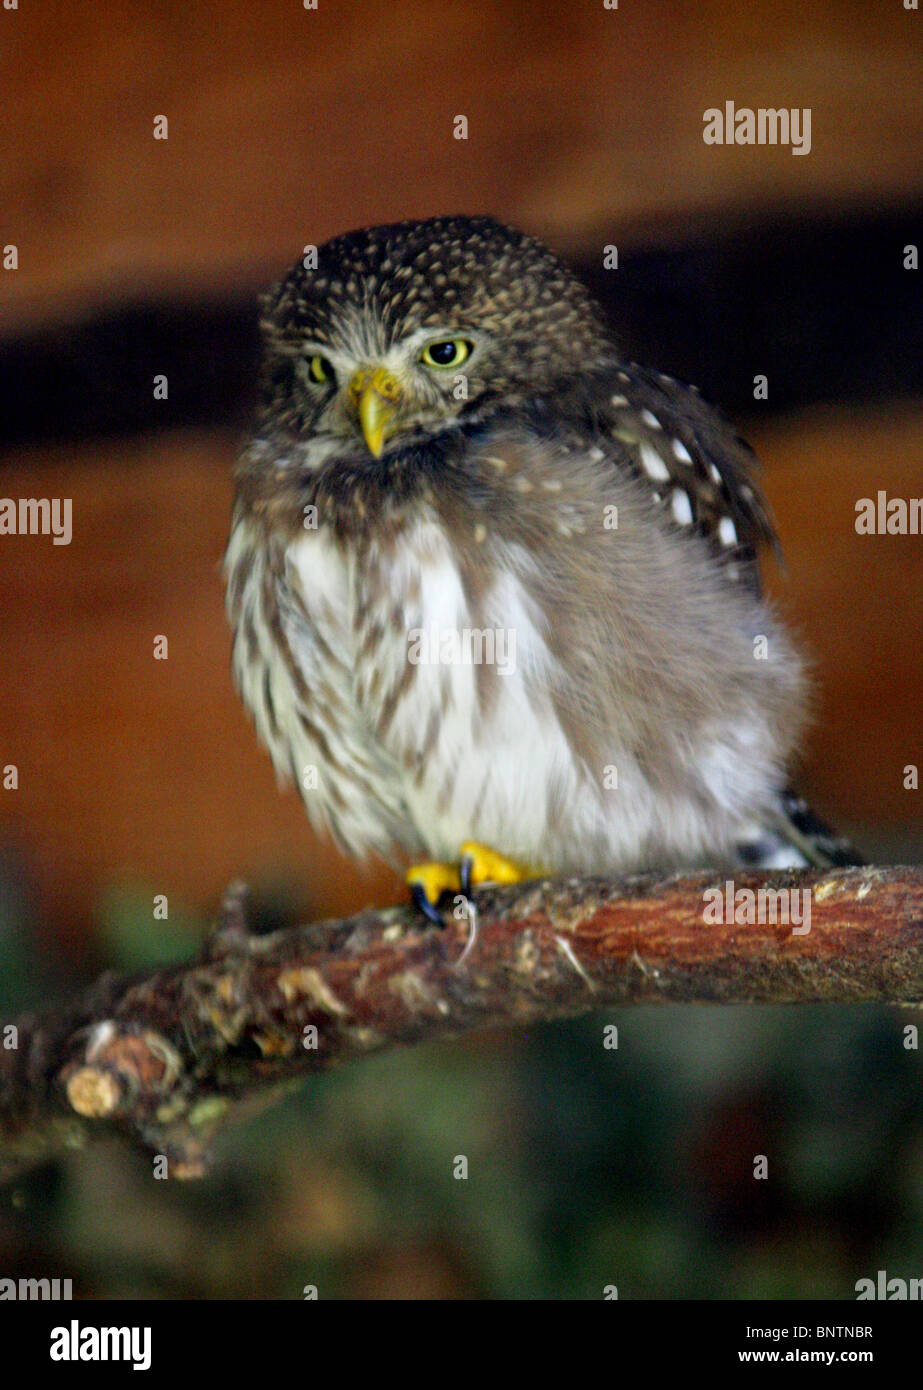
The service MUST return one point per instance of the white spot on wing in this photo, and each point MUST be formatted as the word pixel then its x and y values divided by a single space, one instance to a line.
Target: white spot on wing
pixel 680 451
pixel 653 464
pixel 681 507
pixel 727 531
pixel 650 419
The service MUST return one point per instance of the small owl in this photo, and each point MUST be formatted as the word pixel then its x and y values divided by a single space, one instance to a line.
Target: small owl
pixel 494 589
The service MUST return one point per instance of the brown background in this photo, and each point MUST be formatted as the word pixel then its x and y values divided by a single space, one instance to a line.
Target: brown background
pixel 286 126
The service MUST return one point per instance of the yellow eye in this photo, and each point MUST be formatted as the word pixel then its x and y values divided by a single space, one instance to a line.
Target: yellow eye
pixel 320 370
pixel 447 352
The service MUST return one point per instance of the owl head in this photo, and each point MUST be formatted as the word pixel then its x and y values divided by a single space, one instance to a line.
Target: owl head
pixel 400 331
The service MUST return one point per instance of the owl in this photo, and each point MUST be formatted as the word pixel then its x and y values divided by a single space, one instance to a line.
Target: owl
pixel 494 589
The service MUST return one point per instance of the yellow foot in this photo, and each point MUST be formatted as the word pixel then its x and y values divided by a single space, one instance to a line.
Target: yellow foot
pixel 479 864
pixel 427 883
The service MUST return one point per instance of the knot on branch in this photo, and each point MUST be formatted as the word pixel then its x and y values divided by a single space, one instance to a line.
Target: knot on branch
pixel 120 1067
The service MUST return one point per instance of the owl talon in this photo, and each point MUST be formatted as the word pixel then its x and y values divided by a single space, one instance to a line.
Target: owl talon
pixel 478 865
pixel 430 910
pixel 427 884
pixel 465 871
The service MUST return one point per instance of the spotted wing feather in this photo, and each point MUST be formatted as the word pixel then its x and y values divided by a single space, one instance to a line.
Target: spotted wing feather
pixel 697 466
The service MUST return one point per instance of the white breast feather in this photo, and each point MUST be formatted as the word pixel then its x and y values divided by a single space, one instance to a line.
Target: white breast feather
pixel 487 777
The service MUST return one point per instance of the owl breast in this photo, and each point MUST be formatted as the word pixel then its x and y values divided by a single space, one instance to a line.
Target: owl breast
pixel 439 695
pixel 419 700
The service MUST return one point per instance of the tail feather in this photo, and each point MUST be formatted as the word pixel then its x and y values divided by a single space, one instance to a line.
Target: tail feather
pixel 794 837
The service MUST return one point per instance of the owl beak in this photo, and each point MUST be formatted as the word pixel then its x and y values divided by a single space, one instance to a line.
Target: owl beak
pixel 376 394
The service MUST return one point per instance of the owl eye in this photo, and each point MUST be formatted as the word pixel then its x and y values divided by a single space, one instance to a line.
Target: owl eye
pixel 320 370
pixel 447 352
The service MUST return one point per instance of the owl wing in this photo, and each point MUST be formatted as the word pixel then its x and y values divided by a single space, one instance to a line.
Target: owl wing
pixel 696 465
pixel 699 467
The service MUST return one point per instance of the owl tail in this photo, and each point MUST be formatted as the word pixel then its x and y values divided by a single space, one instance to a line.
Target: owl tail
pixel 794 837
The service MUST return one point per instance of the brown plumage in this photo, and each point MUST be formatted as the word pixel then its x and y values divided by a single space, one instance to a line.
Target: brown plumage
pixel 489 581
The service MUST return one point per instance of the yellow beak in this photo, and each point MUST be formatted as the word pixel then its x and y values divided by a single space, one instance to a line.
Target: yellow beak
pixel 376 393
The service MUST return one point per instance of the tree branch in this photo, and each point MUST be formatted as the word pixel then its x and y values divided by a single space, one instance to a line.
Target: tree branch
pixel 171 1056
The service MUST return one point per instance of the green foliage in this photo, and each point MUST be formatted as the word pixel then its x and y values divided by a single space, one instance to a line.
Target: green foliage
pixel 133 939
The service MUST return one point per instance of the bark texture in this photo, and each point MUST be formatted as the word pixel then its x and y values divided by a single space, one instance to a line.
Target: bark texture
pixel 171 1056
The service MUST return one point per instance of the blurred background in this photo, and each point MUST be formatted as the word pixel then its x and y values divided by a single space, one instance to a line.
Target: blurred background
pixel 137 257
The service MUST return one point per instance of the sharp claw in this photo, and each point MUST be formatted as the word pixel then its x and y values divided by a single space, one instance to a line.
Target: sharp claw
pixel 430 910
